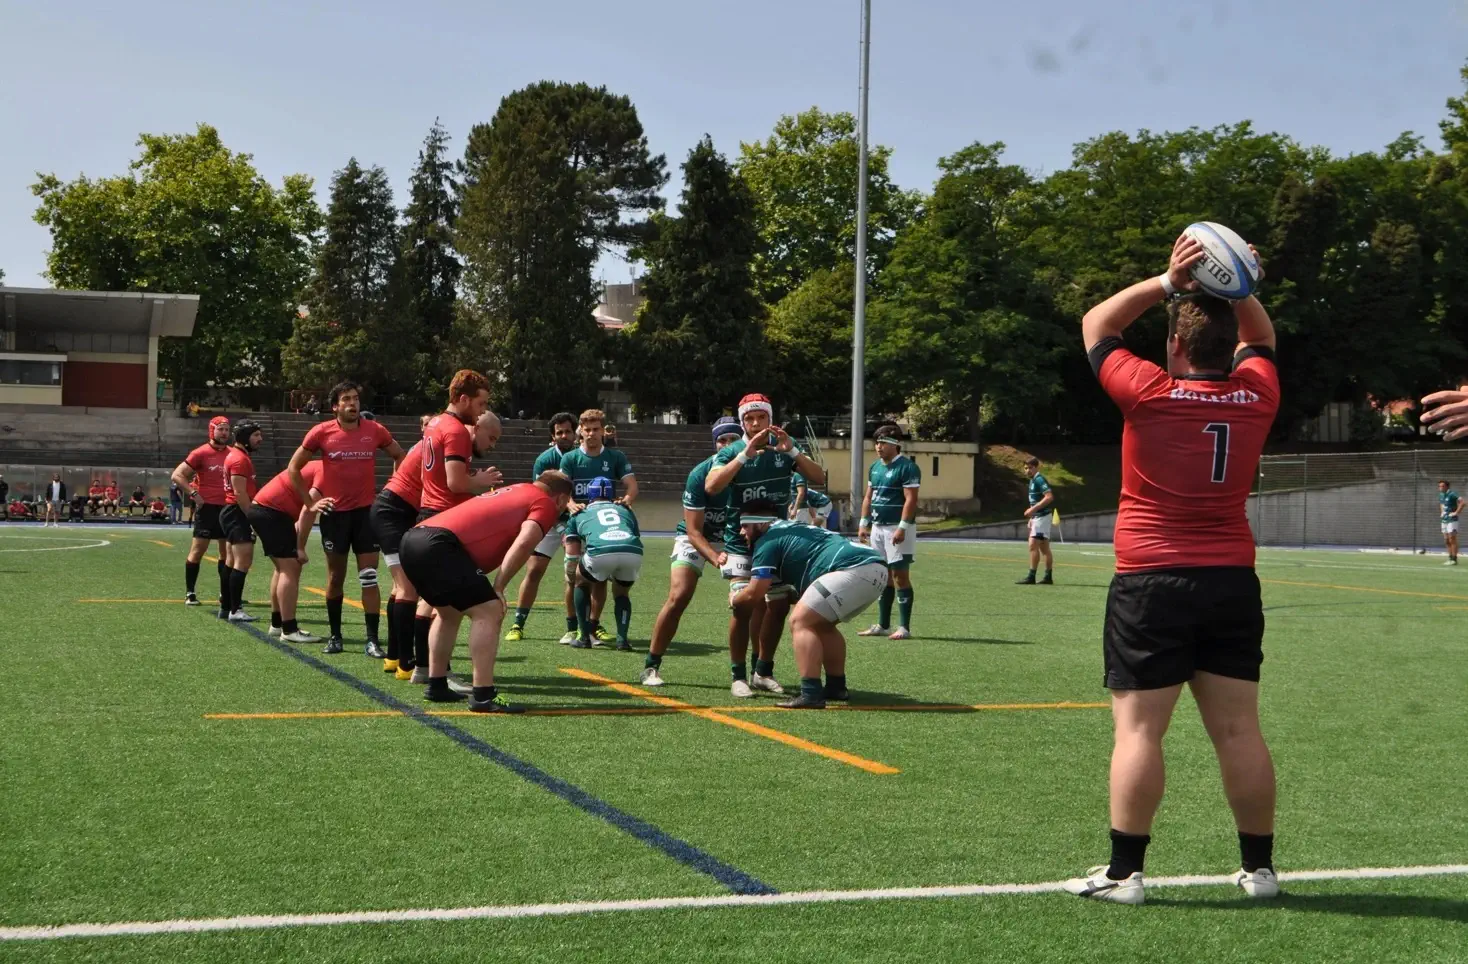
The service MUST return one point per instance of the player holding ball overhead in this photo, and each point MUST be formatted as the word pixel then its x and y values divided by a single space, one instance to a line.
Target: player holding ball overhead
pixel 1184 606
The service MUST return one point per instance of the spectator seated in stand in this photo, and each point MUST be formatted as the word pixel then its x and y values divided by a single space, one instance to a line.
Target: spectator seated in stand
pixel 158 510
pixel 138 501
pixel 96 495
pixel 76 510
pixel 114 498
pixel 19 511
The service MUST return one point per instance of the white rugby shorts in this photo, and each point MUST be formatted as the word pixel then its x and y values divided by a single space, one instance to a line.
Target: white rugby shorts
pixel 1040 525
pixel 895 551
pixel 685 554
pixel 846 593
pixel 550 542
pixel 621 566
pixel 1450 527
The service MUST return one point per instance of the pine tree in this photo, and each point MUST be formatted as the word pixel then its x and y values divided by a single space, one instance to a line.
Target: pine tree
pixel 699 334
pixel 349 329
pixel 429 270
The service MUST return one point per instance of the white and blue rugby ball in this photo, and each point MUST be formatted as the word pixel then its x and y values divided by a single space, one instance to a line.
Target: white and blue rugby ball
pixel 1228 269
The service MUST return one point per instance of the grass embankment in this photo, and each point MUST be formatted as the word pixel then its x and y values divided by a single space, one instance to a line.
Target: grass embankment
pixel 1086 478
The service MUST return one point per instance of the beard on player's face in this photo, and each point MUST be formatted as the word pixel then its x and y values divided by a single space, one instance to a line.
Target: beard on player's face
pixel 348 406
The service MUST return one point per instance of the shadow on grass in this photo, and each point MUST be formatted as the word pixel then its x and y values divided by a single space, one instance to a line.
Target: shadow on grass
pixel 1353 905
pixel 982 640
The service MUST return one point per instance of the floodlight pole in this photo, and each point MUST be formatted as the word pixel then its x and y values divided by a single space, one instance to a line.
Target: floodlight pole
pixel 859 321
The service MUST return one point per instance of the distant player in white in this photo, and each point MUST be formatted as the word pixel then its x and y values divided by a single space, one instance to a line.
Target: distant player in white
pixel 889 523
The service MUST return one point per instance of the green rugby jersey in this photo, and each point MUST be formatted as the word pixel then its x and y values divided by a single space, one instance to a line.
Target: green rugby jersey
pixel 888 482
pixel 767 475
pixel 606 527
pixel 1449 502
pixel 814 497
pixel 715 507
pixel 582 468
pixel 1038 488
pixel 800 554
pixel 547 461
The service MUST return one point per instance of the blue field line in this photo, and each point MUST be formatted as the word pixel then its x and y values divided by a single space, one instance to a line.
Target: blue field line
pixel 685 853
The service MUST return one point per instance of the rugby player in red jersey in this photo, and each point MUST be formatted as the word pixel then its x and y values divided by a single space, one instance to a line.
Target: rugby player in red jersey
pixel 1184 606
pixel 348 447
pixel 449 557
pixel 204 467
pixel 283 523
pixel 239 470
pixel 395 511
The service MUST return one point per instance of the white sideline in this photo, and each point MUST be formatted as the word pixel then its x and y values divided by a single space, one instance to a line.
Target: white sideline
pixel 502 911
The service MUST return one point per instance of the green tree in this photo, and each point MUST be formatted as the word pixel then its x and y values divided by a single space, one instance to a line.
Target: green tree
pixel 960 302
pixel 805 179
pixel 349 328
pixel 549 183
pixel 698 335
pixel 809 344
pixel 1454 127
pixel 191 217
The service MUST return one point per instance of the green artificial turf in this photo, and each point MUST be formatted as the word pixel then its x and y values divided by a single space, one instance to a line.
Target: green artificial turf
pixel 123 802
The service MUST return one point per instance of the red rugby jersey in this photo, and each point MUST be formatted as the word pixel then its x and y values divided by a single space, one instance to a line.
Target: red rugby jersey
pixel 207 461
pixel 407 482
pixel 487 525
pixel 238 462
pixel 280 495
pixel 1189 456
pixel 447 439
pixel 349 460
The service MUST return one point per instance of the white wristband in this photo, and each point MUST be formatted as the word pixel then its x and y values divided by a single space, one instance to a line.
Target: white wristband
pixel 742 458
pixel 1167 289
pixel 865 523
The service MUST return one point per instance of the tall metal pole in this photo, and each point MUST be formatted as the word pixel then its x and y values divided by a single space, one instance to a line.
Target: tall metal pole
pixel 859 322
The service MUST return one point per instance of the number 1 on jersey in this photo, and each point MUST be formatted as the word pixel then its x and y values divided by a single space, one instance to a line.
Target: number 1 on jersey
pixel 1219 431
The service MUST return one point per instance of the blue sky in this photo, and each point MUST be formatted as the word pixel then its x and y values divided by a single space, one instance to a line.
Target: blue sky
pixel 304 86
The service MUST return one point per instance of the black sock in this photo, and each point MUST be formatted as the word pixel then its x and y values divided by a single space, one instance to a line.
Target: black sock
pixel 571 624
pixel 811 688
pixel 737 669
pixel 392 627
pixel 407 614
pixel 275 619
pixel 1032 573
pixel 289 626
pixel 334 615
pixel 483 694
pixel 374 622
pixel 1256 851
pixel 1128 852
pixel 191 576
pixel 835 684
pixel 421 626
pixel 765 667
pixel 521 614
pixel 236 588
pixel 653 661
pixel 438 685
pixel 223 583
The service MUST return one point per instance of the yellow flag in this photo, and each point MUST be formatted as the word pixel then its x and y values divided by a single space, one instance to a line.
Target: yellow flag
pixel 1055 517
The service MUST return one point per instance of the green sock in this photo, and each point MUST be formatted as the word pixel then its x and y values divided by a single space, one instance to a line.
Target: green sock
pixel 653 661
pixel 812 688
pixel 737 669
pixel 583 611
pixel 1032 573
pixel 622 606
pixel 765 667
pixel 884 607
pixel 520 616
pixel 904 607
pixel 570 624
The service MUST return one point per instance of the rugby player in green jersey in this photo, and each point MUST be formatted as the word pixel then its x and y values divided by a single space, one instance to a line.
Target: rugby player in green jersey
pixel 563 440
pixel 835 580
pixel 609 544
pixel 889 524
pixel 700 540
pixel 760 466
pixel 593 460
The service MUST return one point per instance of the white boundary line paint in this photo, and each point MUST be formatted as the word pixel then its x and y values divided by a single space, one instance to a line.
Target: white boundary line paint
pixel 515 911
pixel 90 545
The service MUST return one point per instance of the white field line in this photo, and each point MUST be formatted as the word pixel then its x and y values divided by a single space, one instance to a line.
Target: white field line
pixel 511 911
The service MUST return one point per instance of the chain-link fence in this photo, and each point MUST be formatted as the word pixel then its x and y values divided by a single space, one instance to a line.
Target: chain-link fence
pixel 1383 500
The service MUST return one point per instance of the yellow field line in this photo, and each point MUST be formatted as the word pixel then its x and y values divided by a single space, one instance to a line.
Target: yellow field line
pixel 160 542
pixel 128 601
pixel 670 710
pixel 779 736
pixel 1267 582
pixel 322 592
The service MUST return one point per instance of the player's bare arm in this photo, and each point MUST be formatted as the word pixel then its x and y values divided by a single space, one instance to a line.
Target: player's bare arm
pixel 530 535
pixel 395 452
pixel 757 589
pixel 1043 504
pixel 693 522
pixel 629 483
pixel 721 476
pixel 463 482
pixel 864 527
pixel 909 515
pixel 1115 315
pixel 241 487
pixel 1255 328
pixel 298 482
pixel 183 474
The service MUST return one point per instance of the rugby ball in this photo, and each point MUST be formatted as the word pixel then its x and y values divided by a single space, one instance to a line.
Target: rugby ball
pixel 1228 269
